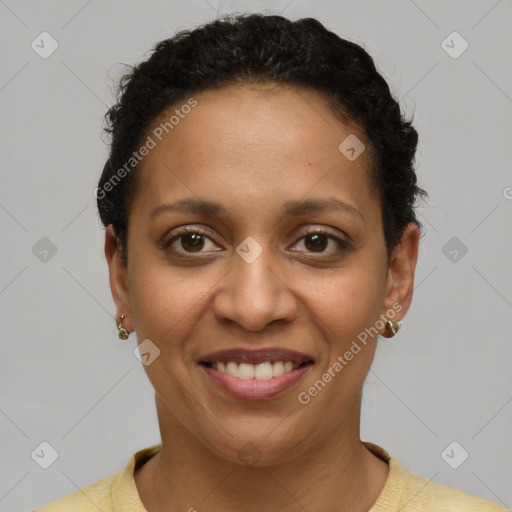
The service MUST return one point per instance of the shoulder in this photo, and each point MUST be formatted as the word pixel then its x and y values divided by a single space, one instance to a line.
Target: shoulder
pixel 94 497
pixel 410 492
pixel 117 491
pixel 420 493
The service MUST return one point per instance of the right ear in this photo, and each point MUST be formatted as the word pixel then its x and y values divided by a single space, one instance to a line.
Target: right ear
pixel 118 278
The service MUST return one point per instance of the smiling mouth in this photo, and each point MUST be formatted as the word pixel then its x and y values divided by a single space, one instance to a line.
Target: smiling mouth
pixel 265 370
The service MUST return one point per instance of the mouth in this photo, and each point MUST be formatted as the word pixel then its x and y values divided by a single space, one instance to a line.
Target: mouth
pixel 261 371
pixel 256 374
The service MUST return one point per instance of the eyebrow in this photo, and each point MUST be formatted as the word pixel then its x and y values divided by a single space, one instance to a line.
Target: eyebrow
pixel 291 208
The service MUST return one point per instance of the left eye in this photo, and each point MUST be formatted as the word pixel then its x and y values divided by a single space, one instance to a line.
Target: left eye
pixel 316 241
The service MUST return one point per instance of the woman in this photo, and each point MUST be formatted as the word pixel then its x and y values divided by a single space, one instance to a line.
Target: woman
pixel 259 202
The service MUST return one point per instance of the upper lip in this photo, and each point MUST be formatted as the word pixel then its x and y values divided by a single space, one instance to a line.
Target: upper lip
pixel 262 355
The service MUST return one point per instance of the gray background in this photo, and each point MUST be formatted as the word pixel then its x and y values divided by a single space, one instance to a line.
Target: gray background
pixel 66 379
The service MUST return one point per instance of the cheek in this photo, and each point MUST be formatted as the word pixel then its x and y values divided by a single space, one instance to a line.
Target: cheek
pixel 168 305
pixel 163 306
pixel 161 296
pixel 345 314
pixel 347 310
pixel 347 302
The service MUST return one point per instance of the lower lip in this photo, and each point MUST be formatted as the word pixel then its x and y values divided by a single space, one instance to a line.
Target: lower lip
pixel 255 389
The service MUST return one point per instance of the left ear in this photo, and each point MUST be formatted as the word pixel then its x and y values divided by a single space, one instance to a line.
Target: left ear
pixel 400 284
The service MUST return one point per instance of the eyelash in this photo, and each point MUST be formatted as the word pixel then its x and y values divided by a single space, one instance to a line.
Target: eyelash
pixel 341 245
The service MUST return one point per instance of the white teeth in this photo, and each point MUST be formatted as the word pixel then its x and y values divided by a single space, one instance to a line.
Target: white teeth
pixel 232 369
pixel 261 371
pixel 246 371
pixel 264 371
pixel 278 368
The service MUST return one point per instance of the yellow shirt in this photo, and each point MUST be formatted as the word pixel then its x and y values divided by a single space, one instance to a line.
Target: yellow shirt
pixel 403 491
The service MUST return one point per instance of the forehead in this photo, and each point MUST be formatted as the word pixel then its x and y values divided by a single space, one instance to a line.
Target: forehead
pixel 257 142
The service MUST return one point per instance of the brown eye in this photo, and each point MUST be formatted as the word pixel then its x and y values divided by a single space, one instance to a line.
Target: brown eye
pixel 192 241
pixel 317 241
pixel 189 240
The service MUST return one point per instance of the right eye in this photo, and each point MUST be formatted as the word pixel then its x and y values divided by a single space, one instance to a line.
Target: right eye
pixel 189 240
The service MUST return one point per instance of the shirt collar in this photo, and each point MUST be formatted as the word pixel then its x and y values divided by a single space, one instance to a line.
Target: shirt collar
pixel 125 496
pixel 124 493
pixel 392 493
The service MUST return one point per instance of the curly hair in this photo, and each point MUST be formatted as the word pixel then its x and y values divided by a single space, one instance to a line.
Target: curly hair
pixel 263 48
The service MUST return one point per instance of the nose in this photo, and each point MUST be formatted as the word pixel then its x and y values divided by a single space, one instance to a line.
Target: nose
pixel 255 294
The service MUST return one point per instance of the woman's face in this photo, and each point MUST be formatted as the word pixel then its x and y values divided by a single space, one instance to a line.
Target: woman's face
pixel 250 275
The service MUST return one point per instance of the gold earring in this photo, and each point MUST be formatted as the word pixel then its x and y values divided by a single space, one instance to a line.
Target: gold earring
pixel 392 328
pixel 123 333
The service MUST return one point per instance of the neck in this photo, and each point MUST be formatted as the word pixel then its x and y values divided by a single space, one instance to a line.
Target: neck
pixel 339 473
